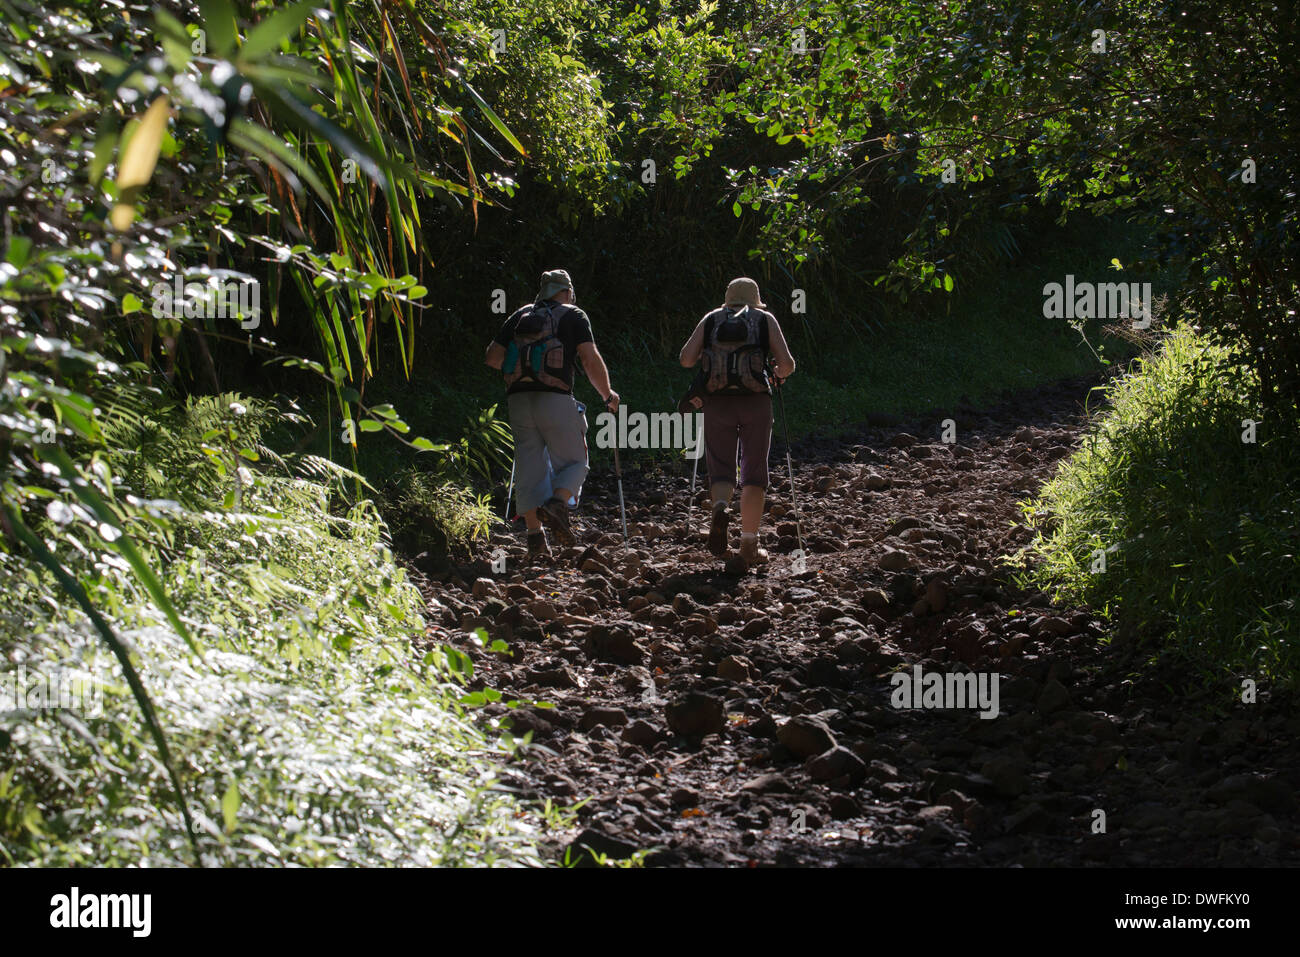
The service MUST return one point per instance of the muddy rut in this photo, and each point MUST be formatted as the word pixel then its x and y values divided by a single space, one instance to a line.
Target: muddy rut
pixel 718 717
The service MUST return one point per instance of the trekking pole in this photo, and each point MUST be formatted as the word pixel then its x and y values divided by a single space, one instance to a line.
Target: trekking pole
pixel 785 427
pixel 509 490
pixel 695 469
pixel 618 473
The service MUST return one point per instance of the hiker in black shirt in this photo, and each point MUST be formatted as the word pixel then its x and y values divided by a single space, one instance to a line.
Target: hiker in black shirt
pixel 538 349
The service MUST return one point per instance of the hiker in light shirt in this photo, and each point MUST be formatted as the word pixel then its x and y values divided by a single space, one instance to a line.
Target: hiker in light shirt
pixel 734 342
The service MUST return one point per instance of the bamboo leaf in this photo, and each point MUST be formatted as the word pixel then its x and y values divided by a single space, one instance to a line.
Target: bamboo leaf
pixel 230 807
pixel 290 107
pixel 494 119
pixel 401 69
pixel 141 143
pixel 258 140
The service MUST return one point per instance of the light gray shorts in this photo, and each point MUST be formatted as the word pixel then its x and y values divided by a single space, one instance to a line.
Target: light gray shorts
pixel 550 432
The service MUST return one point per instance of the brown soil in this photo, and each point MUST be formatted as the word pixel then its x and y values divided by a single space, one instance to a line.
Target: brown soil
pixel 725 718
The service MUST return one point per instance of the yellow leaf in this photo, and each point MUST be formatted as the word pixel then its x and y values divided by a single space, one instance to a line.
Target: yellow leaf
pixel 143 140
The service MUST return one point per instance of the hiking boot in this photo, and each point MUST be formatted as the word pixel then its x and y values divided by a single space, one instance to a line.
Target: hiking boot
pixel 555 514
pixel 537 547
pixel 751 553
pixel 718 530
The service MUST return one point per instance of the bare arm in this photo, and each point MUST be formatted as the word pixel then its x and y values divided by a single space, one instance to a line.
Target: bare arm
pixel 694 347
pixel 781 351
pixel 495 355
pixel 594 365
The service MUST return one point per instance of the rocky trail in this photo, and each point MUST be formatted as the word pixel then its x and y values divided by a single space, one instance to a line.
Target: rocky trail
pixel 724 718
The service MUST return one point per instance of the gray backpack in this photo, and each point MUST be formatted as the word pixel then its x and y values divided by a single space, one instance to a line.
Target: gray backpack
pixel 735 352
pixel 536 352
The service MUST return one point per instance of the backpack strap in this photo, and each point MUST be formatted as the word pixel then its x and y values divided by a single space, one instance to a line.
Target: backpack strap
pixel 764 335
pixel 572 363
pixel 560 310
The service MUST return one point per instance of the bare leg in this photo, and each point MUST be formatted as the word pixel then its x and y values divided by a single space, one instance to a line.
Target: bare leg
pixel 721 491
pixel 751 508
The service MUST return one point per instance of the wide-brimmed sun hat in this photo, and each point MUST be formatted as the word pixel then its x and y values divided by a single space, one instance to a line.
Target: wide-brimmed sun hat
pixel 743 292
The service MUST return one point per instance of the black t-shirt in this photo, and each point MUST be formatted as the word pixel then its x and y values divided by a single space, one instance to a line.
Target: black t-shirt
pixel 573 329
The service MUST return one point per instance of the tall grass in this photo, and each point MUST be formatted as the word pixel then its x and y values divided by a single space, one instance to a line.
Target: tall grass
pixel 1197 525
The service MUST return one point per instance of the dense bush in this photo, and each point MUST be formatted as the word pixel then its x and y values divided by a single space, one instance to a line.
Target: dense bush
pixel 1196 522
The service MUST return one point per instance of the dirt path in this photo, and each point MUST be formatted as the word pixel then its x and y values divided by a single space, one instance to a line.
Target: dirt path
pixel 748 719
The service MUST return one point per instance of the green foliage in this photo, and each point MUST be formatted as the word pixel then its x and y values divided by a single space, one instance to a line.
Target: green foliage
pixel 311 731
pixel 1068 107
pixel 902 164
pixel 542 91
pixel 485 445
pixel 430 513
pixel 1197 525
pixel 298 152
pixel 261 626
pixel 430 506
pixel 150 441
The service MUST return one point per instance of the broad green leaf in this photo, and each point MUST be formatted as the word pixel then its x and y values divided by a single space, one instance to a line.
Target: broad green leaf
pixel 219 21
pixel 20 247
pixel 272 31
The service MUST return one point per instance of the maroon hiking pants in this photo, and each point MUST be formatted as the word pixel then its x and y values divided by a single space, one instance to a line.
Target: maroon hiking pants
pixel 744 420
